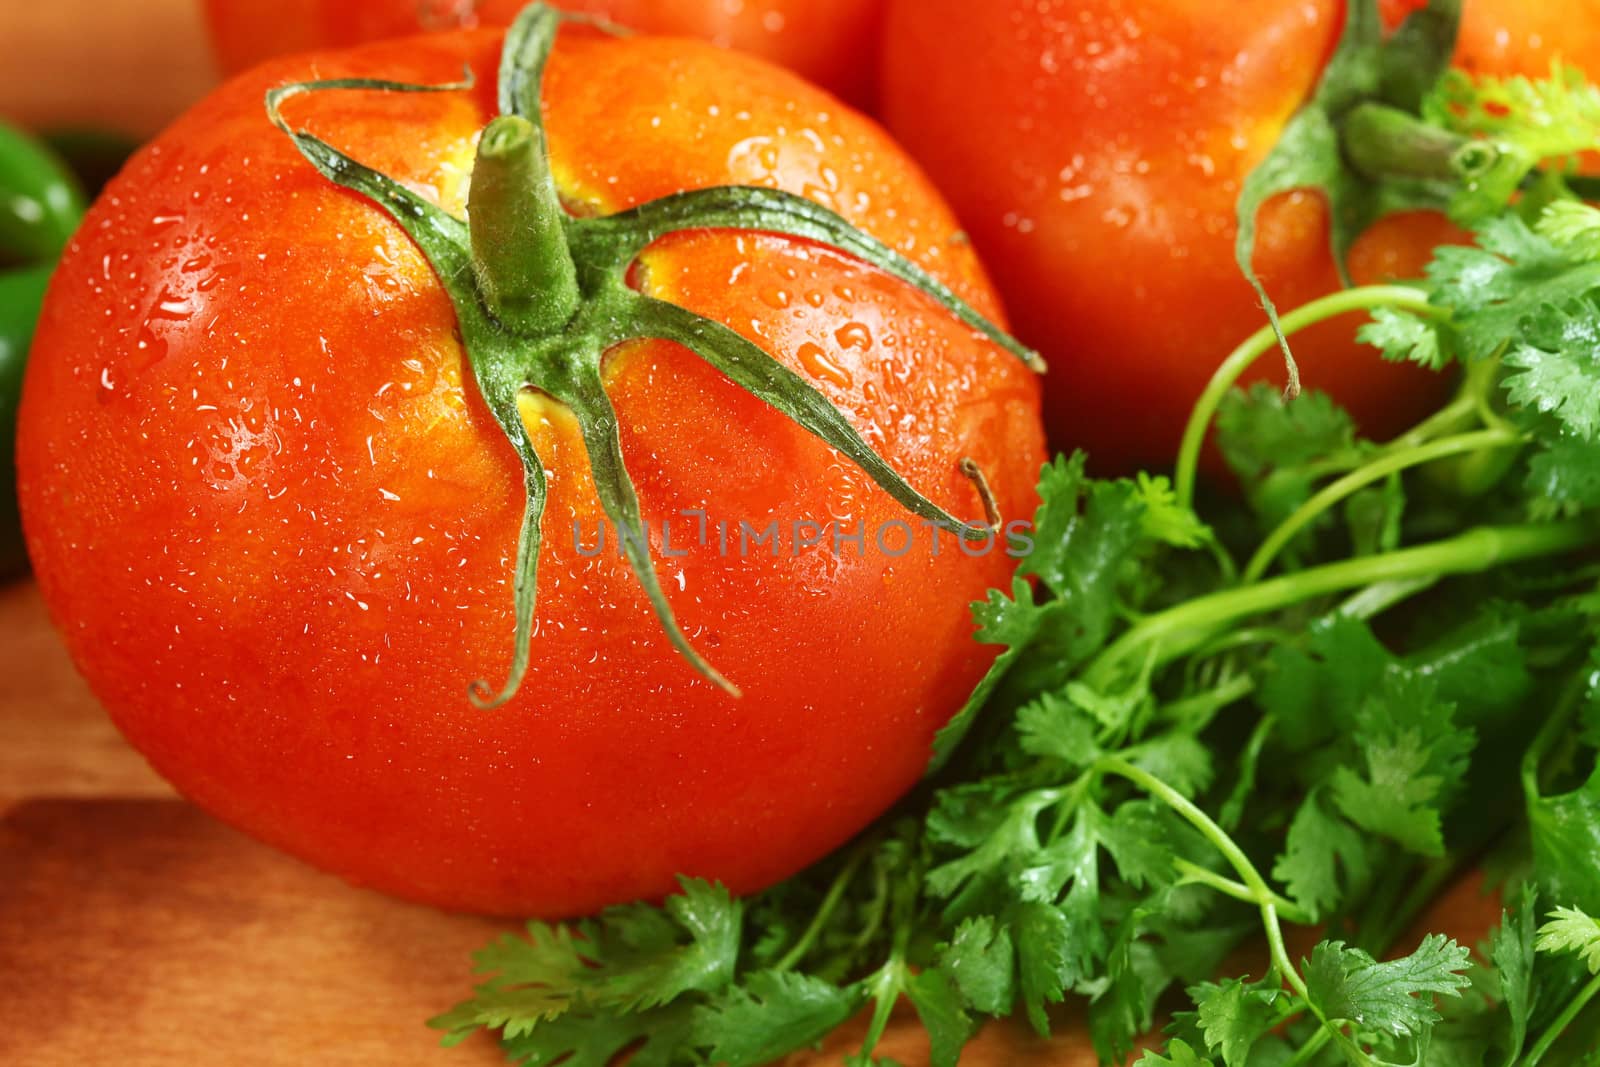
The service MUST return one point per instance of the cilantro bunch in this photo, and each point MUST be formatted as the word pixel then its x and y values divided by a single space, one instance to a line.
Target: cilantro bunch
pixel 1314 702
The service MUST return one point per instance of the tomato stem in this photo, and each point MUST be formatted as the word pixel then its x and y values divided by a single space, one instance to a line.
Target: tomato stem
pixel 1384 142
pixel 519 243
pixel 540 297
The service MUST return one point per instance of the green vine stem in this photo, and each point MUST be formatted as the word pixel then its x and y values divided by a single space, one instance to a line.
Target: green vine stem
pixel 1381 468
pixel 1264 340
pixel 1190 625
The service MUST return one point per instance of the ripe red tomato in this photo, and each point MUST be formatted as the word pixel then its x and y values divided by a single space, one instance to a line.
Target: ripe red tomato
pixel 1095 152
pixel 1506 37
pixel 833 43
pixel 276 522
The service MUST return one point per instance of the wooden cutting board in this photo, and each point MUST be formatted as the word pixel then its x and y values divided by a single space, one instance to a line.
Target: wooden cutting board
pixel 135 929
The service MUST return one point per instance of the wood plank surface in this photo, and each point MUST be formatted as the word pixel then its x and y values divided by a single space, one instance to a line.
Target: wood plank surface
pixel 136 929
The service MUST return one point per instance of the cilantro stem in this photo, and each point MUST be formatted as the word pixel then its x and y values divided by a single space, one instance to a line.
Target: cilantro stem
pixel 1257 890
pixel 1264 340
pixel 1379 597
pixel 825 910
pixel 1194 874
pixel 1189 625
pixel 1566 707
pixel 1380 468
pixel 1560 1023
pixel 1308 1051
pixel 1395 920
pixel 885 987
pixel 1194 713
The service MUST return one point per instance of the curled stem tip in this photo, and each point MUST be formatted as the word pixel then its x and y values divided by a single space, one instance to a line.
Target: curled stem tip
pixel 483 696
pixel 974 473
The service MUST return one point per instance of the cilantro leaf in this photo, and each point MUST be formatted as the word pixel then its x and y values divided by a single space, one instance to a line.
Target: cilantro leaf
pixel 1571 930
pixel 1046 959
pixel 630 959
pixel 1013 621
pixel 1509 291
pixel 1057 728
pixel 1085 531
pixel 1393 997
pixel 1404 337
pixel 769 1014
pixel 595 1039
pixel 934 995
pixel 1565 831
pixel 1414 758
pixel 1179 1054
pixel 1235 1014
pixel 1525 121
pixel 982 961
pixel 1511 948
pixel 1564 475
pixel 1268 440
pixel 1324 859
pixel 1166 520
pixel 1555 369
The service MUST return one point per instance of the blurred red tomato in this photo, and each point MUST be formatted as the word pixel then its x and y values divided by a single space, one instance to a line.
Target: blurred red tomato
pixel 833 43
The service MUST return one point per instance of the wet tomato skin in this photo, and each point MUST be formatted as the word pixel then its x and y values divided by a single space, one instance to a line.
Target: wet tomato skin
pixel 275 523
pixel 1095 152
pixel 832 43
pixel 1509 37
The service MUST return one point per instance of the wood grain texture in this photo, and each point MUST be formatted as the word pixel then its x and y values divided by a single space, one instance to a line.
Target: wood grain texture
pixel 146 927
pixel 131 921
pixel 54 738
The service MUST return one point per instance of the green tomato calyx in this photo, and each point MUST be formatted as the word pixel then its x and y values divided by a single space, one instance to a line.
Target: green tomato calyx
pixel 541 296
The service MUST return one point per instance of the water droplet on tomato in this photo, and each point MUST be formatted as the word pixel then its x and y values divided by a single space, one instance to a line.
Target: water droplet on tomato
pixel 854 335
pixel 148 350
pixel 776 298
pixel 821 366
pixel 163 221
pixel 753 157
pixel 221 274
pixel 417 377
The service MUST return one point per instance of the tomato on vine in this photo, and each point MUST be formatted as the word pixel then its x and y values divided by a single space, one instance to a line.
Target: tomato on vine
pixel 1097 154
pixel 299 446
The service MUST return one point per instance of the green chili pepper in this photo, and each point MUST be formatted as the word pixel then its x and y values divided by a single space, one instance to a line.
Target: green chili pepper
pixel 21 293
pixel 40 202
pixel 41 205
pixel 95 156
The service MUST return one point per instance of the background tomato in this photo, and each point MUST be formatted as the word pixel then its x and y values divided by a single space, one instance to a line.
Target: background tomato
pixel 1504 37
pixel 277 529
pixel 127 67
pixel 833 43
pixel 1095 152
